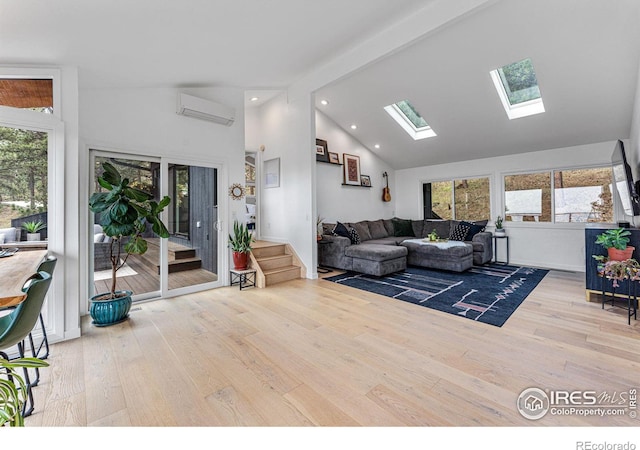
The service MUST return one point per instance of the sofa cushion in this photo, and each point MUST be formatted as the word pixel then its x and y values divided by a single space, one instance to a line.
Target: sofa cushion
pixel 374 252
pixel 417 227
pixel 363 230
pixel 459 232
pixel 388 225
pixel 377 229
pixel 473 229
pixel 354 236
pixel 9 234
pixel 402 227
pixel 442 227
pixel 327 228
pixel 341 230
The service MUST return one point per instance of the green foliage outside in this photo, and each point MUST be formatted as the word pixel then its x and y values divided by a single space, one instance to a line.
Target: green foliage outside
pixel 519 80
pixel 23 173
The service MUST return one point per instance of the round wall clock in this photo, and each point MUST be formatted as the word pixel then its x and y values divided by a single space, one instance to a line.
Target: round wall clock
pixel 236 191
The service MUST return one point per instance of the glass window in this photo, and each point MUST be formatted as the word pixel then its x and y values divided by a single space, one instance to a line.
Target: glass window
pixel 179 208
pixel 464 199
pixel 36 94
pixel 527 197
pixel 517 87
pixel 583 195
pixel 410 120
pixel 472 199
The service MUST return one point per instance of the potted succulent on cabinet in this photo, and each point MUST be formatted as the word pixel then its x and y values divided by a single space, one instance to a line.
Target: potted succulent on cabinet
pixel 616 242
pixel 33 228
pixel 124 213
pixel 240 243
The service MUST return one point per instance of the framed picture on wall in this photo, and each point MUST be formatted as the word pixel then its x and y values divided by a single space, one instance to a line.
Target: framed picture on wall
pixel 352 169
pixel 322 150
pixel 365 180
pixel 272 173
pixel 334 158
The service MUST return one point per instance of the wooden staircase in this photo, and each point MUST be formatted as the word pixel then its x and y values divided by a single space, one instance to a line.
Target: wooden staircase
pixel 275 262
pixel 181 258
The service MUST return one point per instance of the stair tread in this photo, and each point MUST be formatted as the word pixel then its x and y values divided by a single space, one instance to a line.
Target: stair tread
pixel 281 269
pixel 272 258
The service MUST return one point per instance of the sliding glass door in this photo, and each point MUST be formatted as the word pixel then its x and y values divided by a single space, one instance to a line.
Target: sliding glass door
pixel 190 259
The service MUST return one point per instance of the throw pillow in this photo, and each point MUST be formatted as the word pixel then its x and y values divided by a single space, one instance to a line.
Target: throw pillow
pixel 98 237
pixel 377 229
pixel 459 232
pixel 341 230
pixel 402 227
pixel 473 229
pixel 354 236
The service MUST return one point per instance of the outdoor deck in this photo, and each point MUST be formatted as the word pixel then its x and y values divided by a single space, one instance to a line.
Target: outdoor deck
pixel 146 279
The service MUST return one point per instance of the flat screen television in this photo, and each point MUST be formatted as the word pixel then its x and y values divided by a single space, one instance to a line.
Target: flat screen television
pixel 623 179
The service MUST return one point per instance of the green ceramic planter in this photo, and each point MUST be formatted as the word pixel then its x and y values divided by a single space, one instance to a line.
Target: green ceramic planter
pixel 111 311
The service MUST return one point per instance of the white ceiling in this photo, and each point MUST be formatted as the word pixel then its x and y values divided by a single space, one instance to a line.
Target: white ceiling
pixel 586 55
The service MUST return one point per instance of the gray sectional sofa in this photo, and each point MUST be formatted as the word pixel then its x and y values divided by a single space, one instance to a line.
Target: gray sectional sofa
pixel 385 246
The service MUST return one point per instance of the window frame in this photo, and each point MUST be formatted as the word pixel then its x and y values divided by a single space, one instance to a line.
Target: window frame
pixel 453 193
pixel 552 222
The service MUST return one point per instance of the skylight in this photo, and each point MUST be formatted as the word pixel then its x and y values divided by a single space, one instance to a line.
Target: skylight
pixel 410 120
pixel 518 89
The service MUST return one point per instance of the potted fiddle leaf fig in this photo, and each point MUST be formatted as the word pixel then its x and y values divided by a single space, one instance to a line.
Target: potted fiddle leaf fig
pixel 124 212
pixel 240 243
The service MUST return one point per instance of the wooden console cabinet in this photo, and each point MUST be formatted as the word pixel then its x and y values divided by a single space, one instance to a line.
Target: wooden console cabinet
pixel 593 281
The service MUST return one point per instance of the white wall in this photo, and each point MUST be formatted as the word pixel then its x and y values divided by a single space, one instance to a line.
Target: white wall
pixel 556 246
pixel 287 212
pixel 144 121
pixel 348 203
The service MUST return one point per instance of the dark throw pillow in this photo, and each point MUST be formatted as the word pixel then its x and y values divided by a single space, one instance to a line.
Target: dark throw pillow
pixel 402 227
pixel 341 230
pixel 354 236
pixel 459 232
pixel 474 229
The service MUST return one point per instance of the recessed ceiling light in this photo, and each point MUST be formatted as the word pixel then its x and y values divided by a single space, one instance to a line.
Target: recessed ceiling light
pixel 254 99
pixel 377 146
pixel 324 102
pixel 353 127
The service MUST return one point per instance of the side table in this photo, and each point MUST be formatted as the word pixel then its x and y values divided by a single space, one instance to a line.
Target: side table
pixel 495 249
pixel 321 269
pixel 244 278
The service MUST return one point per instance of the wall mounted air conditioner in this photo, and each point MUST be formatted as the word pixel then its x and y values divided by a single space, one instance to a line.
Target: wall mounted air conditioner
pixel 191 106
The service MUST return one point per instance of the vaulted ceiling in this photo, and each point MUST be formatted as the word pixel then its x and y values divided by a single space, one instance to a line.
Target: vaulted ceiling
pixel 585 52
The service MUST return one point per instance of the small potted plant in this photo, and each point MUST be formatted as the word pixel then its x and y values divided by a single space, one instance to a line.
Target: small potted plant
pixel 240 243
pixel 499 230
pixel 433 236
pixel 14 391
pixel 124 213
pixel 33 227
pixel 615 241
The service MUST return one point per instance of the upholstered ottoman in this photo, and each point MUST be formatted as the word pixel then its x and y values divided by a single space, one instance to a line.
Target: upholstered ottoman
pixel 377 259
pixel 455 256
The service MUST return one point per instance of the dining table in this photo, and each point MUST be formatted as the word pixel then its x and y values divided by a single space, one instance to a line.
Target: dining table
pixel 14 271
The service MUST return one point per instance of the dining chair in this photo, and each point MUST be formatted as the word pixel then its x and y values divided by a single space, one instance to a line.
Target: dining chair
pixel 16 326
pixel 48 264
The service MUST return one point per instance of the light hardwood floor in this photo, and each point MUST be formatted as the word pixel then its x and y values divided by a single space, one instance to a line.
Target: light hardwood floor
pixel 310 352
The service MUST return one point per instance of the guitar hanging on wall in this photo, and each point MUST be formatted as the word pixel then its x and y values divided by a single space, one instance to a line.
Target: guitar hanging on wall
pixel 386 195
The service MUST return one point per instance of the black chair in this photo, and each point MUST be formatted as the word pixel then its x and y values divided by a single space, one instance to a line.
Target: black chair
pixel 17 325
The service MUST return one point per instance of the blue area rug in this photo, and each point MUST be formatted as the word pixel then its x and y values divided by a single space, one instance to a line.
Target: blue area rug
pixel 488 294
